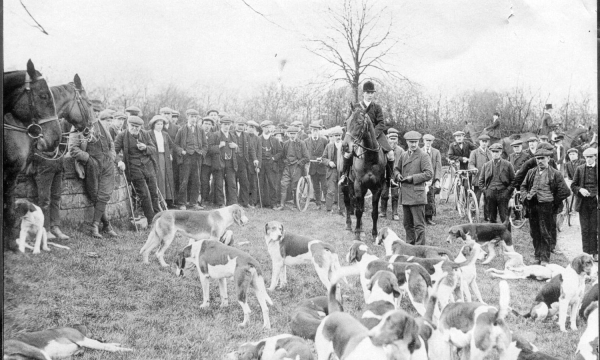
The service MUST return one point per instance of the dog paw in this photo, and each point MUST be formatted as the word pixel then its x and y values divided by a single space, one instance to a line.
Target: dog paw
pixel 46 249
pixel 204 306
pixel 267 326
pixel 224 304
pixel 36 251
pixel 242 325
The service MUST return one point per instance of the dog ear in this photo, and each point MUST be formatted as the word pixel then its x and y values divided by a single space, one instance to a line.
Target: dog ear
pixel 260 347
pixel 411 334
pixel 396 289
pixel 267 229
pixel 30 207
pixel 370 284
pixel 577 264
pixel 282 232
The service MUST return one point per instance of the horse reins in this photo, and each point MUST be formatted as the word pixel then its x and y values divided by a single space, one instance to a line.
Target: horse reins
pixel 356 140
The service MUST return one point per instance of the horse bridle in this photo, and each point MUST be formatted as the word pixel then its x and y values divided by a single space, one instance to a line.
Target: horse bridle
pixel 356 141
pixel 79 100
pixel 34 130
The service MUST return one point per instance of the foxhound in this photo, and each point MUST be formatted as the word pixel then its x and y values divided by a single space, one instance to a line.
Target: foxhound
pixel 394 245
pixel 32 227
pixel 587 349
pixel 284 346
pixel 485 234
pixel 307 317
pixel 515 269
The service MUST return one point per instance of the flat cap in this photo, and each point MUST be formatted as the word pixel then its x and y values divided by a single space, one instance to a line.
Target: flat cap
pixel 134 120
pixel 456 133
pixel 241 120
pixel 278 132
pixel 516 142
pixel 192 112
pixel 590 152
pixel 559 137
pixel 297 123
pixel 226 120
pixel 133 109
pixel 393 131
pixel 97 105
pixel 543 152
pixel 212 110
pixel 266 123
pixel 337 130
pixel 546 146
pixel 253 123
pixel 428 137
pixel 208 118
pixel 292 130
pixel 483 137
pixel 119 114
pixel 533 138
pixel 572 150
pixel 165 110
pixel 156 118
pixel 496 147
pixel 543 137
pixel 412 136
pixel 175 113
pixel 106 114
pixel 315 125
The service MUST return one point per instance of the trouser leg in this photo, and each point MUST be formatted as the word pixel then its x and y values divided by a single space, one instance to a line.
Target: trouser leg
pixel 194 180
pixel 503 199
pixel 218 187
pixel 318 181
pixel 176 180
pixel 43 177
pixel 185 173
pixel 273 179
pixel 534 228
pixel 332 190
pixel 588 218
pixel 286 179
pixel 230 183
pixel 408 224
pixel 385 195
pixel 264 184
pixel 491 201
pixel 105 184
pixel 430 207
pixel 418 219
pixel 486 212
pixel 242 179
pixel 55 196
pixel 141 189
pixel 395 197
pixel 205 183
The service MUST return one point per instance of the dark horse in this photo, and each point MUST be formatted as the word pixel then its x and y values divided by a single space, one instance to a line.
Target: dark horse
pixel 29 120
pixel 368 170
pixel 73 105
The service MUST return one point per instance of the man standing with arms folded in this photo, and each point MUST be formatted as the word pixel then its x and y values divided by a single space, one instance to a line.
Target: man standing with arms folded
pixel 271 153
pixel 253 169
pixel 478 157
pixel 495 180
pixel 192 147
pixel 316 146
pixel 436 163
pixel 295 157
pixel 246 156
pixel 460 150
pixel 392 135
pixel 585 190
pixel 412 172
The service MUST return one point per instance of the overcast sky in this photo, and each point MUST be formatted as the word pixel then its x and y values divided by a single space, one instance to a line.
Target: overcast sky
pixel 449 46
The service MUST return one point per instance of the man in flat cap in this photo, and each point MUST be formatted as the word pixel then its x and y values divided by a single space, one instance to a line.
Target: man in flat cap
pixel 495 181
pixel 246 158
pixel 116 125
pixel 333 158
pixel 542 192
pixel 434 183
pixel 494 130
pixel 518 156
pixel 268 164
pixel 375 113
pixel 572 163
pixel 131 111
pixel 478 157
pixel 223 149
pixel 532 144
pixel 252 129
pixel 559 150
pixel 296 159
pixel 413 171
pixel 392 135
pixel 214 114
pixel 460 150
pixel 192 147
pixel 138 163
pixel 172 127
pixel 585 195
pixel 316 144
pixel 206 169
pixel 106 116
pixel 97 107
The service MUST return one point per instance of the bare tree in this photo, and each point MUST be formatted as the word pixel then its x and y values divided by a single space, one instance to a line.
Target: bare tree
pixel 355 42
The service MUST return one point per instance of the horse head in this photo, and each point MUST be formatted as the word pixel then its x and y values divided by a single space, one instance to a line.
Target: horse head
pixel 29 101
pixel 359 126
pixel 74 105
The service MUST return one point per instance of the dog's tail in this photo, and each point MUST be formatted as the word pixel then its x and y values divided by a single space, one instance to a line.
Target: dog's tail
pixel 342 272
pixel 259 284
pixel 432 300
pixel 58 245
pixel 335 267
pixel 515 312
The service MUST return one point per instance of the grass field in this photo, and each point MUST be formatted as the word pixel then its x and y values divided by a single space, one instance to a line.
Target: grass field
pixel 147 308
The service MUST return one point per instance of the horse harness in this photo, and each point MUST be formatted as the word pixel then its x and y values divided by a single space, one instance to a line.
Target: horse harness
pixel 356 141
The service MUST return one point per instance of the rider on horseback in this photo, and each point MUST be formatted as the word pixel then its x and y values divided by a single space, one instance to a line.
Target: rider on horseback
pixel 375 113
pixel 493 130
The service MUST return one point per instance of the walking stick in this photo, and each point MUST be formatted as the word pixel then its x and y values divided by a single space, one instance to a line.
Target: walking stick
pixel 130 201
pixel 258 186
pixel 162 200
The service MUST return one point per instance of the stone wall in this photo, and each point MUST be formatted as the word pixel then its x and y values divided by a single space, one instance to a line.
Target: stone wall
pixel 75 207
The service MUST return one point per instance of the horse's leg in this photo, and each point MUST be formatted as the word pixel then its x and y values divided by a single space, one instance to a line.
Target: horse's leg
pixel 347 190
pixel 359 194
pixel 375 212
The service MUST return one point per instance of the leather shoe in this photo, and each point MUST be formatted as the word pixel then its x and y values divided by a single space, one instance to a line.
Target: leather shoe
pixel 108 229
pixel 429 222
pixel 55 230
pixel 94 230
pixel 278 208
pixel 197 207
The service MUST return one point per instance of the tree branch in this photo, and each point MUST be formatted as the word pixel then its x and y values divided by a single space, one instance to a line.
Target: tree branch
pixel 39 26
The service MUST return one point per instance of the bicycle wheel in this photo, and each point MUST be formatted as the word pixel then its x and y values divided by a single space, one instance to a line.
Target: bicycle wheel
pixel 472 207
pixel 446 185
pixel 302 194
pixel 516 217
pixel 460 200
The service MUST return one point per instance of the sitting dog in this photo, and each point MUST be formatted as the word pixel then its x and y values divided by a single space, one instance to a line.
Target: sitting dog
pixel 587 349
pixel 394 245
pixel 284 346
pixel 196 225
pixel 468 256
pixel 515 269
pixel 289 249
pixel 564 291
pixel 32 227
pixel 218 261
pixel 474 328
pixel 307 317
pixel 485 234
pixel 55 343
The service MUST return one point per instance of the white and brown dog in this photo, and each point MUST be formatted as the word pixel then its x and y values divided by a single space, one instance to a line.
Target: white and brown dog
pixel 395 246
pixel 218 261
pixel 307 317
pixel 288 249
pixel 515 269
pixel 32 227
pixel 468 255
pixel 54 343
pixel 197 225
pixel 473 328
pixel 284 346
pixel 587 349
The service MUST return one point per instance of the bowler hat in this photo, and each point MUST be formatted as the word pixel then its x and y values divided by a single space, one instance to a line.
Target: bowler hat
pixel 412 136
pixel 156 118
pixel 483 137
pixel 208 118
pixel 134 120
pixel 292 130
pixel 543 152
pixel 496 147
pixel 106 114
pixel 192 112
pixel 165 109
pixel 516 142
pixel 428 137
pixel 266 123
pixel 457 133
pixel 369 86
pixel 590 152
pixel 572 150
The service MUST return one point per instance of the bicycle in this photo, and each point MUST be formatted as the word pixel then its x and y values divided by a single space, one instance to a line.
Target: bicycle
pixel 516 218
pixel 466 201
pixel 304 191
pixel 447 182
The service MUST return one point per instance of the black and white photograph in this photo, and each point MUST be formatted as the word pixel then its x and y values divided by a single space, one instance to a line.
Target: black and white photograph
pixel 426 171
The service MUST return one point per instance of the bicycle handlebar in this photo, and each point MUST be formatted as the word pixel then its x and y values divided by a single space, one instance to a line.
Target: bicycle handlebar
pixel 466 171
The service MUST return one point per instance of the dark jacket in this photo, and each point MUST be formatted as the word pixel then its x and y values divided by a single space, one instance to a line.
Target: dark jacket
pixel 418 165
pixel 456 153
pixel 301 158
pixel 558 188
pixel 78 149
pixel 528 165
pixel 571 167
pixel 181 141
pixel 253 143
pixel 328 156
pixel 494 130
pixel 122 143
pixel 376 115
pixel 217 153
pixel 247 149
pixel 517 160
pixel 507 174
pixel 276 151
pixel 579 182
pixel 315 150
pixel 172 131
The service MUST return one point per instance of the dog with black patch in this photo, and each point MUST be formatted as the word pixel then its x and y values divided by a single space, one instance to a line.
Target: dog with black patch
pixel 307 317
pixel 395 246
pixel 485 234
pixel 590 296
pixel 32 227
pixel 284 346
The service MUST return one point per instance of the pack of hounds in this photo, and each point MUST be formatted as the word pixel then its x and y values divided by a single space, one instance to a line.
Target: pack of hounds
pixel 453 321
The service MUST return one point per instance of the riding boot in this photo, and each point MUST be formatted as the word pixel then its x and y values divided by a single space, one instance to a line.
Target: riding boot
pixel 395 209
pixel 383 208
pixel 345 170
pixel 98 212
pixel 106 227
